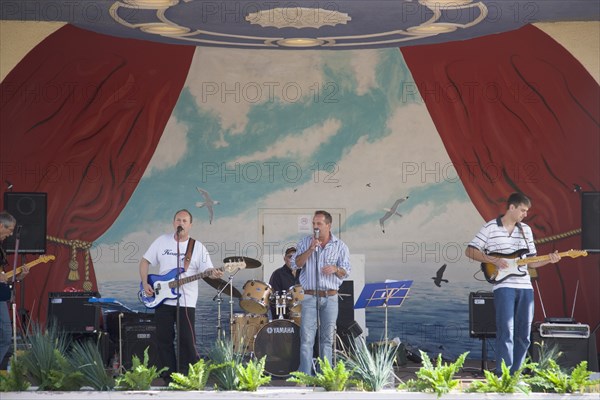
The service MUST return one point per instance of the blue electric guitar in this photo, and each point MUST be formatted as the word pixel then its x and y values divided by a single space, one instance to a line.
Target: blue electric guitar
pixel 165 286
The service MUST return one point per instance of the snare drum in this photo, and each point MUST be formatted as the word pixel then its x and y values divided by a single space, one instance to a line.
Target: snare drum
pixel 296 295
pixel 279 340
pixel 243 330
pixel 255 299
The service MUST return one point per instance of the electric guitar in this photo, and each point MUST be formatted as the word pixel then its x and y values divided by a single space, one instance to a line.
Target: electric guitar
pixel 165 286
pixel 495 275
pixel 5 288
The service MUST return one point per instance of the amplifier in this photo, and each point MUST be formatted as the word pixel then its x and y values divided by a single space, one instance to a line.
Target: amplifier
pixel 482 315
pixel 565 330
pixel 71 312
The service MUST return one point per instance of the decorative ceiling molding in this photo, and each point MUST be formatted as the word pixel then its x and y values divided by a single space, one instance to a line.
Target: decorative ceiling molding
pixel 441 22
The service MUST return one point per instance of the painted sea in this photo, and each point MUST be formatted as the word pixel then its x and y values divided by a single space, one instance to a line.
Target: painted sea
pixel 435 320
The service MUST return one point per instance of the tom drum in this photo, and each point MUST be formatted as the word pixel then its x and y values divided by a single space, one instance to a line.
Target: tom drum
pixel 255 298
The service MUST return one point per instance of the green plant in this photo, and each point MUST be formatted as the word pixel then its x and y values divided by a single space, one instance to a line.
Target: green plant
pixel 438 379
pixel 140 376
pixel 331 379
pixel 554 379
pixel 196 378
pixel 506 383
pixel 223 368
pixel 15 380
pixel 373 368
pixel 46 363
pixel 545 354
pixel 252 375
pixel 86 357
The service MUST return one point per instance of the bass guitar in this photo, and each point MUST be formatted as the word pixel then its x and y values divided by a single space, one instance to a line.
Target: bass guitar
pixel 5 288
pixel 515 264
pixel 165 286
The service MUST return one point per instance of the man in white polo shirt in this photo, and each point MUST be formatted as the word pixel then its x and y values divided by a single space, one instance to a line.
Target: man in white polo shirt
pixel 513 295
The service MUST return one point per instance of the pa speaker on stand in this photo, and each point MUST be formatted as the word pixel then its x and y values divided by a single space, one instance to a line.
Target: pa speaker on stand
pixel 482 320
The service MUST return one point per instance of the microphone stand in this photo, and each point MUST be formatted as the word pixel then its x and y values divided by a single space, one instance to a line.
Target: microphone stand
pixel 318 295
pixel 12 293
pixel 177 339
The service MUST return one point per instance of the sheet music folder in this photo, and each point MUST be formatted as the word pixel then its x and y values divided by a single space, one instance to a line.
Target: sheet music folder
pixel 383 294
pixel 110 304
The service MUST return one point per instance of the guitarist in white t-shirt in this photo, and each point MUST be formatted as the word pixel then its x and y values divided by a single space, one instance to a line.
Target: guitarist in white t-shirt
pixel 194 259
pixel 513 295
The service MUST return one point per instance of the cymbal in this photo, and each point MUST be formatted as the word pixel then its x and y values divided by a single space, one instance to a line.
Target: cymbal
pixel 219 284
pixel 250 262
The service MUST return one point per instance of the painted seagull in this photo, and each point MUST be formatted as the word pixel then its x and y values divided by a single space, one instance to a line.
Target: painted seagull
pixel 390 212
pixel 437 279
pixel 208 202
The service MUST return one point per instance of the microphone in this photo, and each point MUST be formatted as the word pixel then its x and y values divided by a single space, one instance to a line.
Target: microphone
pixel 179 229
pixel 18 230
pixel 317 231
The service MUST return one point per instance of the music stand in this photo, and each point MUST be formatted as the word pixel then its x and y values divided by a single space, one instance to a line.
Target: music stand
pixel 384 294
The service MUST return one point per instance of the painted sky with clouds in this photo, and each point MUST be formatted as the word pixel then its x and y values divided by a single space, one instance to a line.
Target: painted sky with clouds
pixel 302 129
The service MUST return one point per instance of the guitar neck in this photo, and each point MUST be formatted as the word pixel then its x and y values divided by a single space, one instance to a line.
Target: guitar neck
pixel 10 274
pixel 191 278
pixel 523 261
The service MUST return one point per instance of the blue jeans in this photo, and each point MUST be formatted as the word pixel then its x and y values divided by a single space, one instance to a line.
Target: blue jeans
pixel 514 315
pixel 5 330
pixel 328 312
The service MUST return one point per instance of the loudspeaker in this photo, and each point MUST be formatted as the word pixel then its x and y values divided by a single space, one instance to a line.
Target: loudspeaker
pixel 482 315
pixel 574 350
pixel 29 209
pixel 136 338
pixel 345 305
pixel 590 221
pixel 72 313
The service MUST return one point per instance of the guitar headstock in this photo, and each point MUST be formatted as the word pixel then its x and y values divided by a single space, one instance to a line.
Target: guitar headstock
pixel 577 253
pixel 46 258
pixel 232 266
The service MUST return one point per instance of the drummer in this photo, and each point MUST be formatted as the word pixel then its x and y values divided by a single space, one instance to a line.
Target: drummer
pixel 283 278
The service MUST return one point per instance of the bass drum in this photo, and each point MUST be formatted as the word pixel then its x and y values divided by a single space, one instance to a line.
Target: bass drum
pixel 279 340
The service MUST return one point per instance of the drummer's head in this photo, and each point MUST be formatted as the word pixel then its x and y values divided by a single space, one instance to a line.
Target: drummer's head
pixel 289 253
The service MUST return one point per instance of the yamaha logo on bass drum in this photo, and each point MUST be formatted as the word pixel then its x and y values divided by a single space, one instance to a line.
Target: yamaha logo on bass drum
pixel 281 329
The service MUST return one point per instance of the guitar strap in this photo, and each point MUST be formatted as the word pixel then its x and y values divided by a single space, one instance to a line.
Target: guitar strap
pixel 524 237
pixel 188 253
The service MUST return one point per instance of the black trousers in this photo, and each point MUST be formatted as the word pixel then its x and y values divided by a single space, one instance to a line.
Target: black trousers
pixel 165 318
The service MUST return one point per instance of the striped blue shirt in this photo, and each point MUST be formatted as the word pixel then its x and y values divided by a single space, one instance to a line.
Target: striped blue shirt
pixel 335 253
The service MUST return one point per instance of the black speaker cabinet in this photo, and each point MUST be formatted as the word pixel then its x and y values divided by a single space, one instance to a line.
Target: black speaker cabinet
pixel 345 305
pixel 29 209
pixel 574 350
pixel 72 313
pixel 482 315
pixel 590 221
pixel 136 338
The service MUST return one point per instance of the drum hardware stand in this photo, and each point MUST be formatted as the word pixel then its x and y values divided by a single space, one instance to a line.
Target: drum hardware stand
pixel 219 299
pixel 281 308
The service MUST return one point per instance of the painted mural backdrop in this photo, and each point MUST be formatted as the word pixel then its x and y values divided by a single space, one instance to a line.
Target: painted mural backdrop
pixel 312 130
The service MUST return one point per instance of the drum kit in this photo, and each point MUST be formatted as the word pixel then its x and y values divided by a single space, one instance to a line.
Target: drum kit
pixel 251 332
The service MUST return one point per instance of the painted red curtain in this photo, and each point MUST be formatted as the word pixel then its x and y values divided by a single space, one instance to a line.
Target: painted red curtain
pixel 517 112
pixel 80 118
